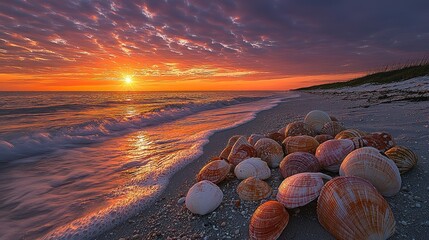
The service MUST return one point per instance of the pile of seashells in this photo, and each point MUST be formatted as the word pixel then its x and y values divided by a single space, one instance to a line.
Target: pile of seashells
pixel 369 167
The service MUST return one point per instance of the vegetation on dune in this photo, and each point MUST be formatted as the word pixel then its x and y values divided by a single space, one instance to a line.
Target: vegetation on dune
pixel 387 75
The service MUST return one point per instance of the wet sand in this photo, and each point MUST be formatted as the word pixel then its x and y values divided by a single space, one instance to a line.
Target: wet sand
pixel 407 121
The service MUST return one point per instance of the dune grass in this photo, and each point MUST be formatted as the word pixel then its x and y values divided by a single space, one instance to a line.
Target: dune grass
pixel 387 75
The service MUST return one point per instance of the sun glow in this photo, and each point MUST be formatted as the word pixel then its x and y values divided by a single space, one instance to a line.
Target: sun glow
pixel 128 79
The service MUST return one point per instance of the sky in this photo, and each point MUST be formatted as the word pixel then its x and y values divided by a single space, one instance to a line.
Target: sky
pixel 171 45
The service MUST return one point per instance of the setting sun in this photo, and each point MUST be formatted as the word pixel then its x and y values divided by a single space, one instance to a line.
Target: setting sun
pixel 128 79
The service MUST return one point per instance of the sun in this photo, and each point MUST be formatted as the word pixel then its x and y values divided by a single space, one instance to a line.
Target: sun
pixel 128 79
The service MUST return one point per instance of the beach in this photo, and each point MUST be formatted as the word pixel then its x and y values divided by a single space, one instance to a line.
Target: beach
pixel 406 121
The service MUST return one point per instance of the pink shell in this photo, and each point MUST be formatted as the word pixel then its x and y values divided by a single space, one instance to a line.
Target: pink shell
pixel 298 129
pixel 241 151
pixel 380 140
pixel 300 189
pixel 332 153
pixel 299 162
pixel 268 221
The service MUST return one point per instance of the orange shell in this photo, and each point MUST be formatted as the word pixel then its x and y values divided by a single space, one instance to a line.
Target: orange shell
pixel 269 151
pixel 332 128
pixel 253 189
pixel 323 138
pixel 254 138
pixel 298 162
pixel 214 171
pixel 351 208
pixel 300 144
pixel 298 129
pixel 300 189
pixel 240 151
pixel 380 140
pixel 268 221
pixel 349 133
pixel 404 158
pixel 227 150
pixel 278 137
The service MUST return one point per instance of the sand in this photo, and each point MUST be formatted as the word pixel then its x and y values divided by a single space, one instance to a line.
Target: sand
pixel 407 121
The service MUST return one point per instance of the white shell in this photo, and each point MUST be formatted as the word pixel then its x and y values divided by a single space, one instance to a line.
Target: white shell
pixel 316 119
pixel 204 197
pixel 369 164
pixel 252 167
pixel 269 151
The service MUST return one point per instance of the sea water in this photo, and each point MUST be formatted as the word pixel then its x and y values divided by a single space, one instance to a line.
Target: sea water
pixel 75 164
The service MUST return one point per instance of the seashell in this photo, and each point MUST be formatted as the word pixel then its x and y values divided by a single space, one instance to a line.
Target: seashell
pixel 333 118
pixel 332 128
pixel 214 171
pixel 300 189
pixel 380 140
pixel 404 158
pixel 268 221
pixel 298 129
pixel 332 153
pixel 240 151
pixel 316 119
pixel 349 133
pixel 299 162
pixel 269 151
pixel 252 167
pixel 225 152
pixel 323 138
pixel 282 130
pixel 278 137
pixel 253 189
pixel 368 163
pixel 204 197
pixel 351 208
pixel 300 144
pixel 254 138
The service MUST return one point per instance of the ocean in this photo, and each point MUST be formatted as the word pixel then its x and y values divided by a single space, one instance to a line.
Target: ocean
pixel 75 164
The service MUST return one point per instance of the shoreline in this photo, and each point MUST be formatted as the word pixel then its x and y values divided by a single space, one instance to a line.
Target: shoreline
pixel 167 218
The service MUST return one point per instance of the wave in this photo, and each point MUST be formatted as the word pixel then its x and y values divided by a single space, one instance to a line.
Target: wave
pixel 36 143
pixel 47 109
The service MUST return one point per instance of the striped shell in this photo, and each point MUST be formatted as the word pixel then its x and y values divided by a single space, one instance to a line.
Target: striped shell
pixel 317 119
pixel 269 151
pixel 240 151
pixel 253 189
pixel 380 140
pixel 282 130
pixel 299 162
pixel 298 129
pixel 332 128
pixel 204 197
pixel 350 133
pixel 254 138
pixel 323 138
pixel 300 144
pixel 332 153
pixel 278 137
pixel 404 158
pixel 268 221
pixel 333 118
pixel 368 163
pixel 351 208
pixel 300 189
pixel 252 167
pixel 225 152
pixel 214 171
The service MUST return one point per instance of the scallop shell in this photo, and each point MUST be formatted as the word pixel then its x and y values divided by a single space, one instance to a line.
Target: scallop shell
pixel 332 128
pixel 214 171
pixel 298 129
pixel 404 158
pixel 350 133
pixel 300 189
pixel 316 119
pixel 204 197
pixel 269 151
pixel 253 189
pixel 240 151
pixel 351 208
pixel 252 167
pixel 300 144
pixel 225 152
pixel 278 137
pixel 368 163
pixel 254 138
pixel 282 130
pixel 333 118
pixel 323 138
pixel 299 162
pixel 332 153
pixel 380 140
pixel 268 221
